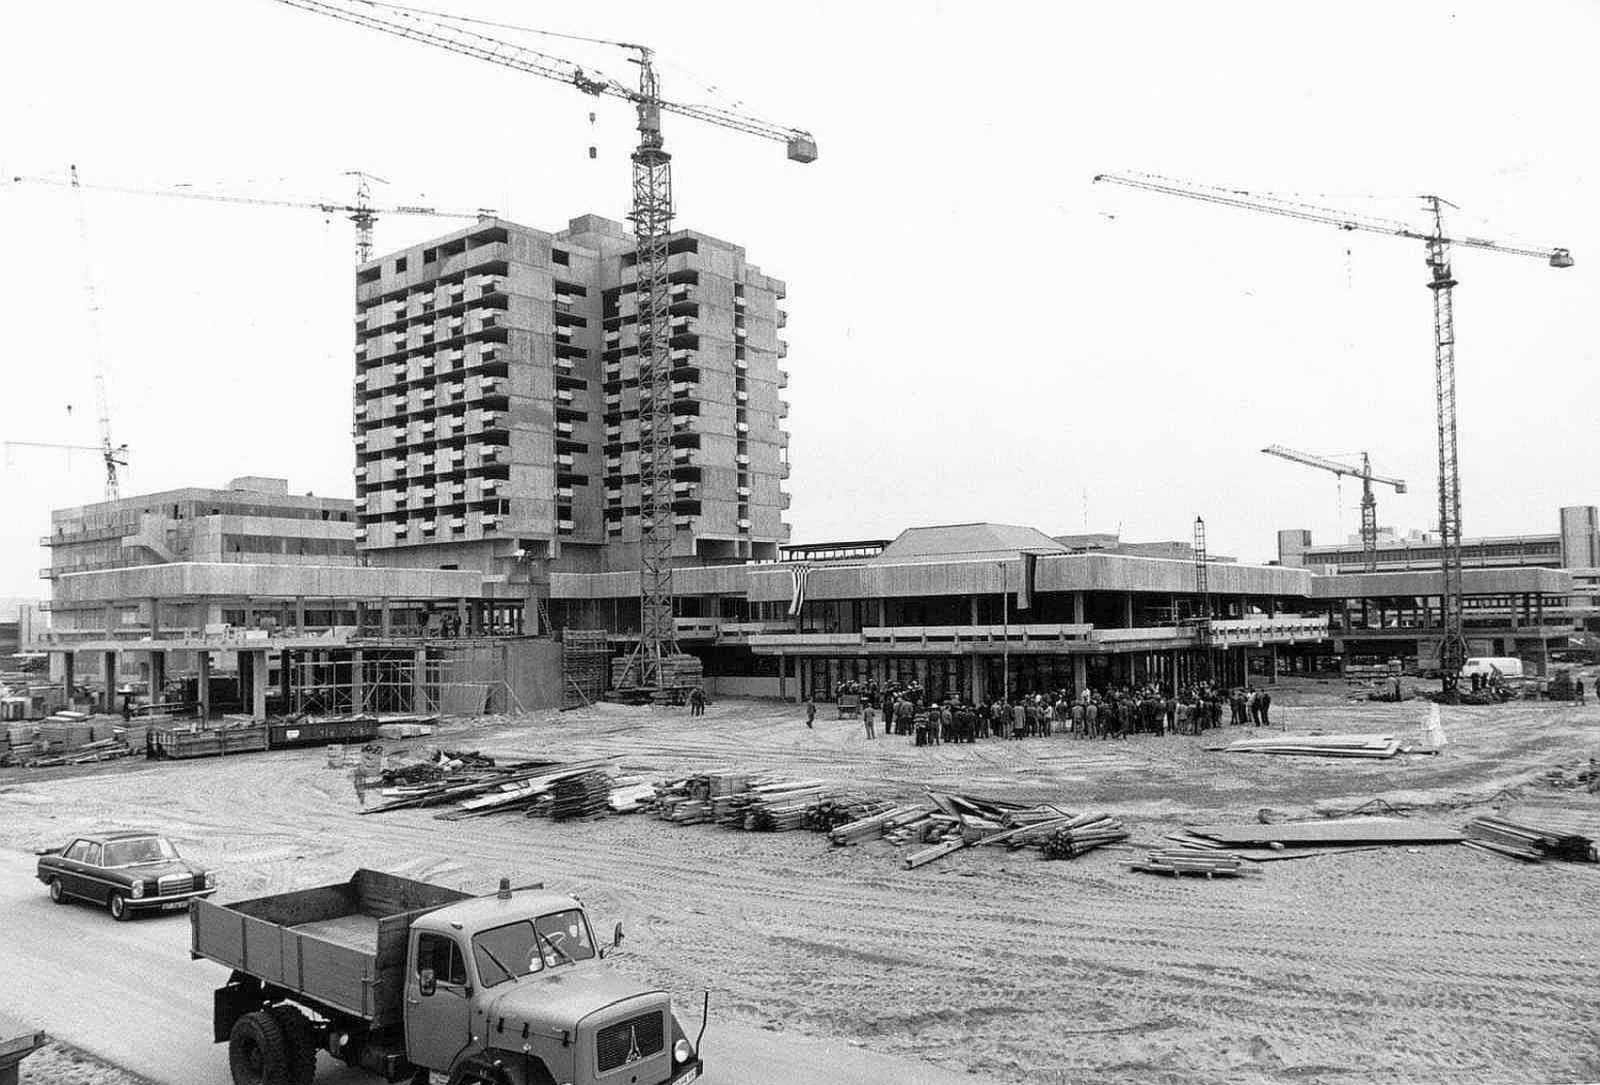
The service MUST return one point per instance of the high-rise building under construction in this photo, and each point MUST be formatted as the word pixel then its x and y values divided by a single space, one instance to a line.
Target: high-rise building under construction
pixel 497 403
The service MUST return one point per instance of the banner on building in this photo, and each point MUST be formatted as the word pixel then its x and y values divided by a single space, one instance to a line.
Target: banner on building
pixel 800 574
pixel 1030 563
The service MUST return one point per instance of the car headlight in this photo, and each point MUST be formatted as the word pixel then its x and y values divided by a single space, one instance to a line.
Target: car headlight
pixel 137 891
pixel 211 880
pixel 681 1051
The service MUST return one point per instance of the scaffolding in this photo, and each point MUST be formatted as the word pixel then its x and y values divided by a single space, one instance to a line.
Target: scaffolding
pixel 425 680
pixel 585 666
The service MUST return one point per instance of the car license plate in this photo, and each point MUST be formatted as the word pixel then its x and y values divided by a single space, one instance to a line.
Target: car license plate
pixel 175 906
pixel 691 1074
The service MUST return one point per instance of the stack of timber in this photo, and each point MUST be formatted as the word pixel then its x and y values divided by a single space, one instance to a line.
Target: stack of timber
pixel 1175 861
pixel 679 674
pixel 1334 832
pixel 630 795
pixel 874 826
pixel 830 814
pixel 1374 746
pixel 528 788
pixel 780 805
pixel 1529 843
pixel 585 659
pixel 579 795
pixel 1074 839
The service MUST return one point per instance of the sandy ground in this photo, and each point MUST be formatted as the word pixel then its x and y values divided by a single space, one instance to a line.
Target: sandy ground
pixel 1401 965
pixel 58 1064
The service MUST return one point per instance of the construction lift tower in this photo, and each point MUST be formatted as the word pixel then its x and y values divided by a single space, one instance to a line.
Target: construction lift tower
pixel 1202 591
pixel 650 668
pixel 1453 647
pixel 1369 504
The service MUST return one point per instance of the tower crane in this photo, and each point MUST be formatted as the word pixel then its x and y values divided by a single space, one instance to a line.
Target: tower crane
pixel 1437 244
pixel 650 667
pixel 362 212
pixel 1369 504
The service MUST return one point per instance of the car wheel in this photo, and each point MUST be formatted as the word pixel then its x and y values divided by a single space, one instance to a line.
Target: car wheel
pixel 119 907
pixel 257 1052
pixel 57 894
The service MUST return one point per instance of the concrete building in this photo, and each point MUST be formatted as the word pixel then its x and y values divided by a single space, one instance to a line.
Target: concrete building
pixel 1574 544
pixel 954 607
pixel 497 404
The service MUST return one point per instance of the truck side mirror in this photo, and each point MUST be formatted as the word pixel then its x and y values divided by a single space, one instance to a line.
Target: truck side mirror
pixel 427 984
pixel 616 936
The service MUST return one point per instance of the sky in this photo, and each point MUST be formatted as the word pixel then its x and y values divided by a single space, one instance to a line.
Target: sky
pixel 977 330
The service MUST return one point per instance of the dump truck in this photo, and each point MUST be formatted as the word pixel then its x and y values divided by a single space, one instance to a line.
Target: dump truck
pixel 401 977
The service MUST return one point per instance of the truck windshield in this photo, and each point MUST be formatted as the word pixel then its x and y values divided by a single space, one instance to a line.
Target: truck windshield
pixel 522 948
pixel 149 849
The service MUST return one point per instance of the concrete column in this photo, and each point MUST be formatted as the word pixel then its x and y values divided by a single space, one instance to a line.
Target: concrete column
pixel 158 675
pixel 883 612
pixel 975 681
pixel 155 616
pixel 419 681
pixel 258 685
pixel 973 610
pixel 1127 610
pixel 300 614
pixel 461 614
pixel 109 668
pixel 1078 609
pixel 67 676
pixel 361 618
pixel 285 678
pixel 385 617
pixel 357 690
pixel 203 687
pixel 783 678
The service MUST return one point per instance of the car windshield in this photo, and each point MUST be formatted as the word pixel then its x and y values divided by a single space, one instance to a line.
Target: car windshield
pixel 146 849
pixel 523 948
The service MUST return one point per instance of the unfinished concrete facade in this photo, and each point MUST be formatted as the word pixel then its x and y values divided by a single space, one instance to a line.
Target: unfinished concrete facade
pixel 497 395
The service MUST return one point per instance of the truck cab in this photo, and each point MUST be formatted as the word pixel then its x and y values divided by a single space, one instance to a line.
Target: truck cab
pixel 518 980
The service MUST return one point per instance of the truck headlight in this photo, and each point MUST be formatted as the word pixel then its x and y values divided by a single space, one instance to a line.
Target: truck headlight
pixel 211 880
pixel 137 891
pixel 681 1051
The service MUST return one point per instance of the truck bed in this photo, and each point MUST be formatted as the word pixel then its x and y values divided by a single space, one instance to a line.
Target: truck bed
pixel 341 947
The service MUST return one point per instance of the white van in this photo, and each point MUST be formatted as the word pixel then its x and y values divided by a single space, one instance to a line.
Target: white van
pixel 1507 666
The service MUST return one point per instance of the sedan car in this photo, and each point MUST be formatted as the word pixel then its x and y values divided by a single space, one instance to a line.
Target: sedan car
pixel 126 872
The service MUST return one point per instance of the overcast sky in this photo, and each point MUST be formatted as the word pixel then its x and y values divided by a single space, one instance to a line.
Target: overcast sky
pixel 976 330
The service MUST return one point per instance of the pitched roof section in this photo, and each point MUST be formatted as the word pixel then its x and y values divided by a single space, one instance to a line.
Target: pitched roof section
pixel 966 542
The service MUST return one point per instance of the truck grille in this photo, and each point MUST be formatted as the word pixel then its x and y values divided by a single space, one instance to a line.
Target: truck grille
pixel 175 883
pixel 640 1037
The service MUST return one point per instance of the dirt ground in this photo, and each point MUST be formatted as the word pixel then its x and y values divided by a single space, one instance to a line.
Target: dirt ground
pixel 58 1064
pixel 1400 965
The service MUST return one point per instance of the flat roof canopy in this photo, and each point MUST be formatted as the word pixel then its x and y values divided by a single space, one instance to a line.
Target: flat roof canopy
pixel 234 580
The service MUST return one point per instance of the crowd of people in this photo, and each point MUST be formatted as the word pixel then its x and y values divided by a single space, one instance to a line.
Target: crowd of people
pixel 1114 712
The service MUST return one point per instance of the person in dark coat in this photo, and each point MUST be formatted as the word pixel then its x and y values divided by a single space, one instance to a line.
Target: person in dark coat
pixel 1266 708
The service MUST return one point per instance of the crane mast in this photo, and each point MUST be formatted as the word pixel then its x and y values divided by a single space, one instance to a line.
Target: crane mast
pixel 1453 644
pixel 113 456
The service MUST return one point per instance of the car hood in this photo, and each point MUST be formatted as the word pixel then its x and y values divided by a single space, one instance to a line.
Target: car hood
pixel 558 999
pixel 153 871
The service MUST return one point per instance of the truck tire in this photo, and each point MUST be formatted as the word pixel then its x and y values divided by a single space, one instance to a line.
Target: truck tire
pixel 257 1051
pixel 479 1071
pixel 299 1043
pixel 118 904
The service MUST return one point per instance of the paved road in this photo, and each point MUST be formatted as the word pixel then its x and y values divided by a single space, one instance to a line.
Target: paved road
pixel 129 993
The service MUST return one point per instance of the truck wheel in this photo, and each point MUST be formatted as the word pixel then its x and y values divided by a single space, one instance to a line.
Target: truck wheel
pixel 57 894
pixel 119 907
pixel 479 1071
pixel 299 1042
pixel 257 1052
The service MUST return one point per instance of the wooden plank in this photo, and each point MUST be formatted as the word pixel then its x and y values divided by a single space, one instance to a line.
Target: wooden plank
pixel 1348 831
pixel 938 851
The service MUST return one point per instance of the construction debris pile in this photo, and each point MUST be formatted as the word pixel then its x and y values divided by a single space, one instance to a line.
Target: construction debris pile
pixel 1527 842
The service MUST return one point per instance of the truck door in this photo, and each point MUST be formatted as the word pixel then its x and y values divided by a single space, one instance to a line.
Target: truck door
pixel 438 1025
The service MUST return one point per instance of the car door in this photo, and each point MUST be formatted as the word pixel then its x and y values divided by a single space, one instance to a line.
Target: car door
pixel 438 1025
pixel 70 869
pixel 92 875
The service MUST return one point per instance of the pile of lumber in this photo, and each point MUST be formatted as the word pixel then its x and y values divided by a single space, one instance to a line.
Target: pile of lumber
pixel 1330 832
pixel 104 750
pixel 1376 746
pixel 1528 842
pixel 875 826
pixel 1194 861
pixel 579 795
pixel 630 795
pixel 830 814
pixel 476 790
pixel 1082 835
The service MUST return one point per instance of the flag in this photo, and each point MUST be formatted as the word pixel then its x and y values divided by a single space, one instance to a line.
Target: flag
pixel 797 598
pixel 1030 563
